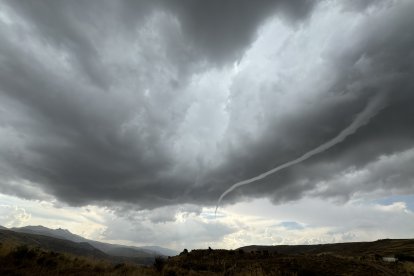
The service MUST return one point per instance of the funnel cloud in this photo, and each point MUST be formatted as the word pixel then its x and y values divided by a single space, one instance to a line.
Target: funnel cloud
pixel 372 108
pixel 147 105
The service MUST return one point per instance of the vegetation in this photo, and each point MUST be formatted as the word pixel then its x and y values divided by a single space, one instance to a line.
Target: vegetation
pixel 113 254
pixel 239 262
pixel 25 260
pixel 334 259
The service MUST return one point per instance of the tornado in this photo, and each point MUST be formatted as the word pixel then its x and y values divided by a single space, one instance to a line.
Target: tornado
pixel 374 105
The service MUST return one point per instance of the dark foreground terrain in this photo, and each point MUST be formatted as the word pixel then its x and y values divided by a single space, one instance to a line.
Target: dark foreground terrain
pixel 335 259
pixel 331 259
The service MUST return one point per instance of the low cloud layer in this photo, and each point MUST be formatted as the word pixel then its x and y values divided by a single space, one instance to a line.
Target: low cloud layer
pixel 244 223
pixel 158 103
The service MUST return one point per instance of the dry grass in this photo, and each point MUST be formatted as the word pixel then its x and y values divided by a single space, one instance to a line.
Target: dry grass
pixel 222 262
pixel 23 260
pixel 409 267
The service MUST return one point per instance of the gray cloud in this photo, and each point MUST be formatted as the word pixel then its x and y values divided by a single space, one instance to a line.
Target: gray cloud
pixel 380 61
pixel 192 233
pixel 359 5
pixel 135 102
pixel 221 31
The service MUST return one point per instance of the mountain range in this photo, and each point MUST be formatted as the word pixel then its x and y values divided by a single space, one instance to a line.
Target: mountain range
pixel 39 250
pixel 62 240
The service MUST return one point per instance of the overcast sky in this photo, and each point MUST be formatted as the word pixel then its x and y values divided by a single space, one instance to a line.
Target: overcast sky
pixel 126 120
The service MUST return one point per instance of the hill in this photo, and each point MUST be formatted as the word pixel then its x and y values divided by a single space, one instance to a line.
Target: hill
pixel 162 250
pixel 364 258
pixel 24 260
pixel 56 233
pixel 146 252
pixel 54 244
pixel 84 249
pixel 383 247
pixel 28 254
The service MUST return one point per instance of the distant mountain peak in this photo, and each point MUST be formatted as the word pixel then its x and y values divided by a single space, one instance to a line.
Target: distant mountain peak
pixel 56 233
pixel 112 249
pixel 33 227
pixel 64 230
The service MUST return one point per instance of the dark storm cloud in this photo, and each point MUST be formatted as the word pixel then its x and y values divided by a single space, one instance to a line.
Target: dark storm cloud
pixel 95 102
pixel 75 137
pixel 359 5
pixel 222 30
pixel 381 60
pixel 69 26
pixel 218 31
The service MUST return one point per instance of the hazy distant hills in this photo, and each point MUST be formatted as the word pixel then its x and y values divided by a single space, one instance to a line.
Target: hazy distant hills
pixel 62 240
pixel 159 249
pixel 120 250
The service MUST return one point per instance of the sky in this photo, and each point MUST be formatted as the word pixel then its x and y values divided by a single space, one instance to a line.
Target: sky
pixel 125 121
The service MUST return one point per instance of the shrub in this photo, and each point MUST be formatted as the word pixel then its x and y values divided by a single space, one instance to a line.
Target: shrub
pixel 120 265
pixel 404 257
pixel 50 263
pixel 171 273
pixel 185 252
pixel 23 252
pixel 159 263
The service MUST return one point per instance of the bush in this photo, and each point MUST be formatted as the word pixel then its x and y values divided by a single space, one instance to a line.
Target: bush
pixel 120 265
pixel 23 252
pixel 50 264
pixel 171 273
pixel 159 263
pixel 404 257
pixel 185 252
